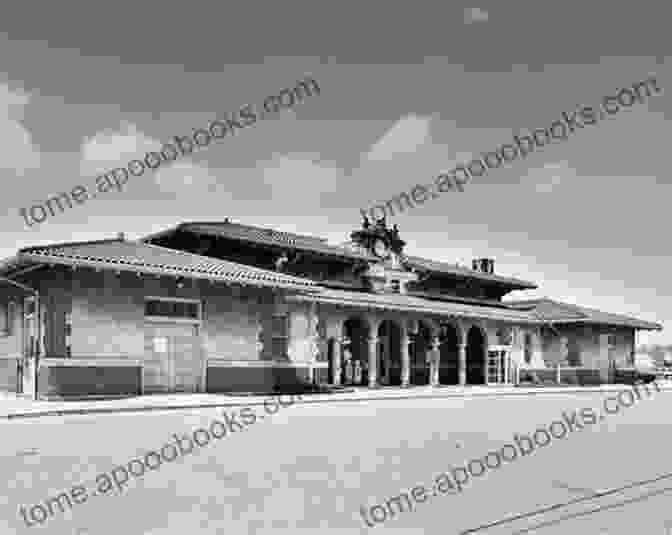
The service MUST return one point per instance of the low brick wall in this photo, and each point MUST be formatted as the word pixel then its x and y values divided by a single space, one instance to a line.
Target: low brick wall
pixel 82 381
pixel 581 377
pixel 9 375
pixel 255 379
pixel 568 376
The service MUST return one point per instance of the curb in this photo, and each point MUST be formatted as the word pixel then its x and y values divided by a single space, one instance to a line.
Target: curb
pixel 304 400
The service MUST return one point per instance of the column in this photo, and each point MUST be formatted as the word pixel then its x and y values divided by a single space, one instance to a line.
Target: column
pixel 462 363
pixel 336 362
pixel 434 358
pixel 604 357
pixel 373 362
pixel 405 359
pixel 507 365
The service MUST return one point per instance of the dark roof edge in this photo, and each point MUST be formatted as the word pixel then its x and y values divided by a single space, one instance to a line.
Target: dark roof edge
pixel 632 323
pixel 69 244
pixel 335 252
pixel 509 282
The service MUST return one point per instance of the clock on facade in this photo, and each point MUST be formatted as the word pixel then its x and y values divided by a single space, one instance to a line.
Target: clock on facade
pixel 381 249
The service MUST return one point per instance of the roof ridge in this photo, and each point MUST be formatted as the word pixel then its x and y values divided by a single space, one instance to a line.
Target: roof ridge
pixel 297 241
pixel 256 227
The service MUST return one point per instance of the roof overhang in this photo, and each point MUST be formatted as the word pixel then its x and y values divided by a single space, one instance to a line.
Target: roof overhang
pixel 406 303
pixel 639 325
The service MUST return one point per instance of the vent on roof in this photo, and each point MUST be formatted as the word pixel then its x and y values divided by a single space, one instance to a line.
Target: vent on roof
pixel 121 236
pixel 484 265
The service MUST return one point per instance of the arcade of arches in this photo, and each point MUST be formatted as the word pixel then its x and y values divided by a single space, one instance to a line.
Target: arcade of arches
pixel 391 352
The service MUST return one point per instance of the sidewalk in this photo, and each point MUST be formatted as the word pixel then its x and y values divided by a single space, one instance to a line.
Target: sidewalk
pixel 13 406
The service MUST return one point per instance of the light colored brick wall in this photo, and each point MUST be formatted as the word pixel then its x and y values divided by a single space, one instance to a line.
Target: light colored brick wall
pixel 11 346
pixel 108 315
pixel 231 323
pixel 301 326
pixel 593 350
pixel 518 352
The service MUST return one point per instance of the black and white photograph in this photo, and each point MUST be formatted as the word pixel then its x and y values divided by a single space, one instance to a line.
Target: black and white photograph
pixel 335 268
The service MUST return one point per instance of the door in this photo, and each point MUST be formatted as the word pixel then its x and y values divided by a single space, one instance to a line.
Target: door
pixel 498 364
pixel 173 361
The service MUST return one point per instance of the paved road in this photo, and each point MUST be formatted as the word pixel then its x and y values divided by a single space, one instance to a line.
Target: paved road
pixel 309 468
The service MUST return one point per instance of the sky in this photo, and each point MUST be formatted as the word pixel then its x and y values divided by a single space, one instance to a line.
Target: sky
pixel 408 90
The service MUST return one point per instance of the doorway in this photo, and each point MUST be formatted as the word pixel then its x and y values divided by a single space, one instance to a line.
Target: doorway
pixel 173 361
pixel 475 357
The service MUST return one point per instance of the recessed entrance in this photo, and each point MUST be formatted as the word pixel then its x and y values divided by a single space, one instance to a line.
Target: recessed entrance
pixel 475 357
pixel 355 357
pixel 418 353
pixel 449 361
pixel 389 353
pixel 498 366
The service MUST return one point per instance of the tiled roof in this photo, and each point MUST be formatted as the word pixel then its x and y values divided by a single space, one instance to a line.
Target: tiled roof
pixel 408 303
pixel 266 236
pixel 146 258
pixel 557 312
pixel 415 262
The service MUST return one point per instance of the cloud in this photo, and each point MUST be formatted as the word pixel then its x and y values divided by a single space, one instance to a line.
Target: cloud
pixel 19 154
pixel 475 14
pixel 300 176
pixel 405 136
pixel 112 148
pixel 546 179
pixel 108 149
pixel 185 178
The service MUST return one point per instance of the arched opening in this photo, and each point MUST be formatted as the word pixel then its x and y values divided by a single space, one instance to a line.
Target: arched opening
pixel 330 360
pixel 528 348
pixel 355 357
pixel 420 345
pixel 449 360
pixel 475 357
pixel 389 353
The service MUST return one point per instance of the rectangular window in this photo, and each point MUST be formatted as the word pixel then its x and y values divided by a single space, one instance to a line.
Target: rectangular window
pixel 165 308
pixel 6 318
pixel 279 335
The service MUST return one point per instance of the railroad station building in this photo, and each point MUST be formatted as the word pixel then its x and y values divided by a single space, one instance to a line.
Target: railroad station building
pixel 229 307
